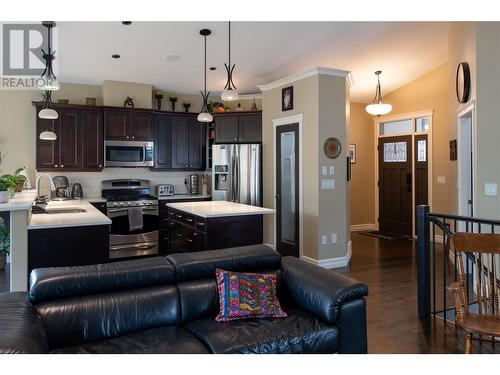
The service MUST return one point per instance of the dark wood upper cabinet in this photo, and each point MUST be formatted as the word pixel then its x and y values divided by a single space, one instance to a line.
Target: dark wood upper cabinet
pixel 92 140
pixel 117 125
pixel 180 142
pixel 163 142
pixel 69 136
pixel 47 152
pixel 141 126
pixel 250 128
pixel 197 144
pixel 128 125
pixel 226 129
pixel 238 128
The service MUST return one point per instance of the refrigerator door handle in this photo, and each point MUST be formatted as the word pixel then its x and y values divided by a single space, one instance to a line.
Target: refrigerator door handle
pixel 237 191
pixel 233 178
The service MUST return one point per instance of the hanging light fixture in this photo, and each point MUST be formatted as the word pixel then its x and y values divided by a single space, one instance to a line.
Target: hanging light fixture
pixel 229 94
pixel 377 107
pixel 204 115
pixel 48 113
pixel 50 80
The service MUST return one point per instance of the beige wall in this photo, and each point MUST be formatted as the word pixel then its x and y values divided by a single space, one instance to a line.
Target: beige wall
pixel 362 203
pixel 115 93
pixel 430 91
pixel 322 101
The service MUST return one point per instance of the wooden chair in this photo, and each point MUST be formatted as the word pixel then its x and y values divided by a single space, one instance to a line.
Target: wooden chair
pixel 485 251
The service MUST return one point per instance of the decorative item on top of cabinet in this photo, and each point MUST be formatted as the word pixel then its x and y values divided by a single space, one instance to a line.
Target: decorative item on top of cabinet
pixel 238 127
pixel 90 101
pixel 158 98
pixel 129 102
pixel 173 100
pixel 254 105
pixel 186 106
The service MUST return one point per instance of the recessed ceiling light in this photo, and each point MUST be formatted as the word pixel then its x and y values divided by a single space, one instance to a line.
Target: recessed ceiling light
pixel 213 68
pixel 127 23
pixel 115 56
pixel 172 57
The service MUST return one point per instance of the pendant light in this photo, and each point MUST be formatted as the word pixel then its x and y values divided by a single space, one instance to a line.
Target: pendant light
pixel 48 113
pixel 50 80
pixel 204 115
pixel 377 107
pixel 229 94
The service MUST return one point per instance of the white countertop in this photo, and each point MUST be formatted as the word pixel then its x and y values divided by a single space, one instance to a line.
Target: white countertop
pixel 92 216
pixel 212 209
pixel 184 196
pixel 21 201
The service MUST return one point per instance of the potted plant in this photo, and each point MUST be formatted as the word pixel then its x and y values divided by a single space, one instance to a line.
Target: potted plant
pixel 8 184
pixel 217 107
pixel 20 179
pixel 4 244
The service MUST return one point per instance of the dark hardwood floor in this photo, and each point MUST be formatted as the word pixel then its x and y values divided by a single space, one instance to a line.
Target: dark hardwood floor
pixel 389 268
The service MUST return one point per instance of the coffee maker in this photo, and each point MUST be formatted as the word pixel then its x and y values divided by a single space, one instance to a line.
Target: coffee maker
pixel 63 191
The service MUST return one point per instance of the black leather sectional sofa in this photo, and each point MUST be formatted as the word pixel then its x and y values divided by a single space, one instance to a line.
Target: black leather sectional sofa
pixel 168 305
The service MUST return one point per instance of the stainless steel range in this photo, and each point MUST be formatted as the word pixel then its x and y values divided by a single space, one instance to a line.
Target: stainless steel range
pixel 134 215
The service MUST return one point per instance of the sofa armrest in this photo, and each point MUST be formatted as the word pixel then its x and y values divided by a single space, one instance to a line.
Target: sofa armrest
pixel 318 290
pixel 21 328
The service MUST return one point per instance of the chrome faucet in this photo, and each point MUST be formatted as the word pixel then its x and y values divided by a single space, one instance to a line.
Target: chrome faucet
pixel 37 183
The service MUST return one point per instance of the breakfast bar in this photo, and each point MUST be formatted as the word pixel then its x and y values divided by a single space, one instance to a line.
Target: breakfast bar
pixel 198 226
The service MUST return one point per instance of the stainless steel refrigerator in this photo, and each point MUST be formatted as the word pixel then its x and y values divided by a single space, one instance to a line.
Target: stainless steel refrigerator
pixel 236 173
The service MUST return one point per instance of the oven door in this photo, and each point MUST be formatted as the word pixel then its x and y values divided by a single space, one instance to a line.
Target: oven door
pixel 128 154
pixel 126 243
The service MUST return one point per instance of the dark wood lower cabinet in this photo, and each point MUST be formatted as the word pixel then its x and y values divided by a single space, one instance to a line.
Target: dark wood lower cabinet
pixel 195 233
pixel 73 246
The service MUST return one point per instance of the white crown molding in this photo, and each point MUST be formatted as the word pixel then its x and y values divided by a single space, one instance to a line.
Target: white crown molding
pixel 308 73
pixel 332 262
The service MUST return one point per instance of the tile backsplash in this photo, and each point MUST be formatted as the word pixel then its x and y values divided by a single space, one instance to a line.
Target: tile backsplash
pixel 91 181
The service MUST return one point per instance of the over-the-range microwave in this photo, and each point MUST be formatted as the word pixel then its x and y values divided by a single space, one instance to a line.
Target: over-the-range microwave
pixel 128 154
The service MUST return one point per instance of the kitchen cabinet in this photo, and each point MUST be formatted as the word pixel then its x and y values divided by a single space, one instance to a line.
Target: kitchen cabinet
pixel 180 143
pixel 238 128
pixel 127 125
pixel 79 143
pixel 92 140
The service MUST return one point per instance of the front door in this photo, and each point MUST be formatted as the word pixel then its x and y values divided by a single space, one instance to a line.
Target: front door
pixel 287 189
pixel 395 185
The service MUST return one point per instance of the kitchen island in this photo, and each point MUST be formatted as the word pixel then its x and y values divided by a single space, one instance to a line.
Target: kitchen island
pixel 198 226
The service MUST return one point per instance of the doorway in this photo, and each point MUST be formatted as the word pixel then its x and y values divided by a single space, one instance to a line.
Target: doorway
pixel 287 189
pixel 395 185
pixel 465 160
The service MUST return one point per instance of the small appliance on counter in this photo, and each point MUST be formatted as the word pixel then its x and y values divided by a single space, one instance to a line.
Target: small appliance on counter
pixel 77 191
pixel 164 190
pixel 193 184
pixel 63 191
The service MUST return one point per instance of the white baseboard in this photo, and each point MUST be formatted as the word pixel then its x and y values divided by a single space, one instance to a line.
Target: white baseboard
pixel 332 262
pixel 362 227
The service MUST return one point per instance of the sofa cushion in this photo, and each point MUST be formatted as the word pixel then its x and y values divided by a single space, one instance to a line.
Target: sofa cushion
pixel 59 282
pixel 300 332
pixel 245 295
pixel 76 321
pixel 164 340
pixel 202 264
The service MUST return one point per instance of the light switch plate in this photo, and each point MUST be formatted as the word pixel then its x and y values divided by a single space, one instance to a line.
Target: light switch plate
pixel 328 184
pixel 332 170
pixel 334 237
pixel 441 179
pixel 490 189
pixel 323 240
pixel 324 170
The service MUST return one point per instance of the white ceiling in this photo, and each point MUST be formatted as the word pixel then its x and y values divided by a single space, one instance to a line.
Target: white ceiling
pixel 262 51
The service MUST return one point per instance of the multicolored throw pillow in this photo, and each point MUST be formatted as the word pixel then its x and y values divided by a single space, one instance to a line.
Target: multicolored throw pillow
pixel 247 295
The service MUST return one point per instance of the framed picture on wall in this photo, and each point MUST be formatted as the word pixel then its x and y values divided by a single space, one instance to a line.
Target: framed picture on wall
pixel 352 153
pixel 453 149
pixel 287 98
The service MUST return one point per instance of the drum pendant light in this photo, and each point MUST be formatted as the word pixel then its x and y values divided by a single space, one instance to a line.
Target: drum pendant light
pixel 229 94
pixel 377 107
pixel 204 115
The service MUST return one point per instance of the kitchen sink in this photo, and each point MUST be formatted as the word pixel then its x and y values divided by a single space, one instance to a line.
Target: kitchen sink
pixel 66 210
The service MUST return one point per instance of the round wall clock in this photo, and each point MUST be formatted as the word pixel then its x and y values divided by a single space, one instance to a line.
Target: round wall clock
pixel 332 148
pixel 463 82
